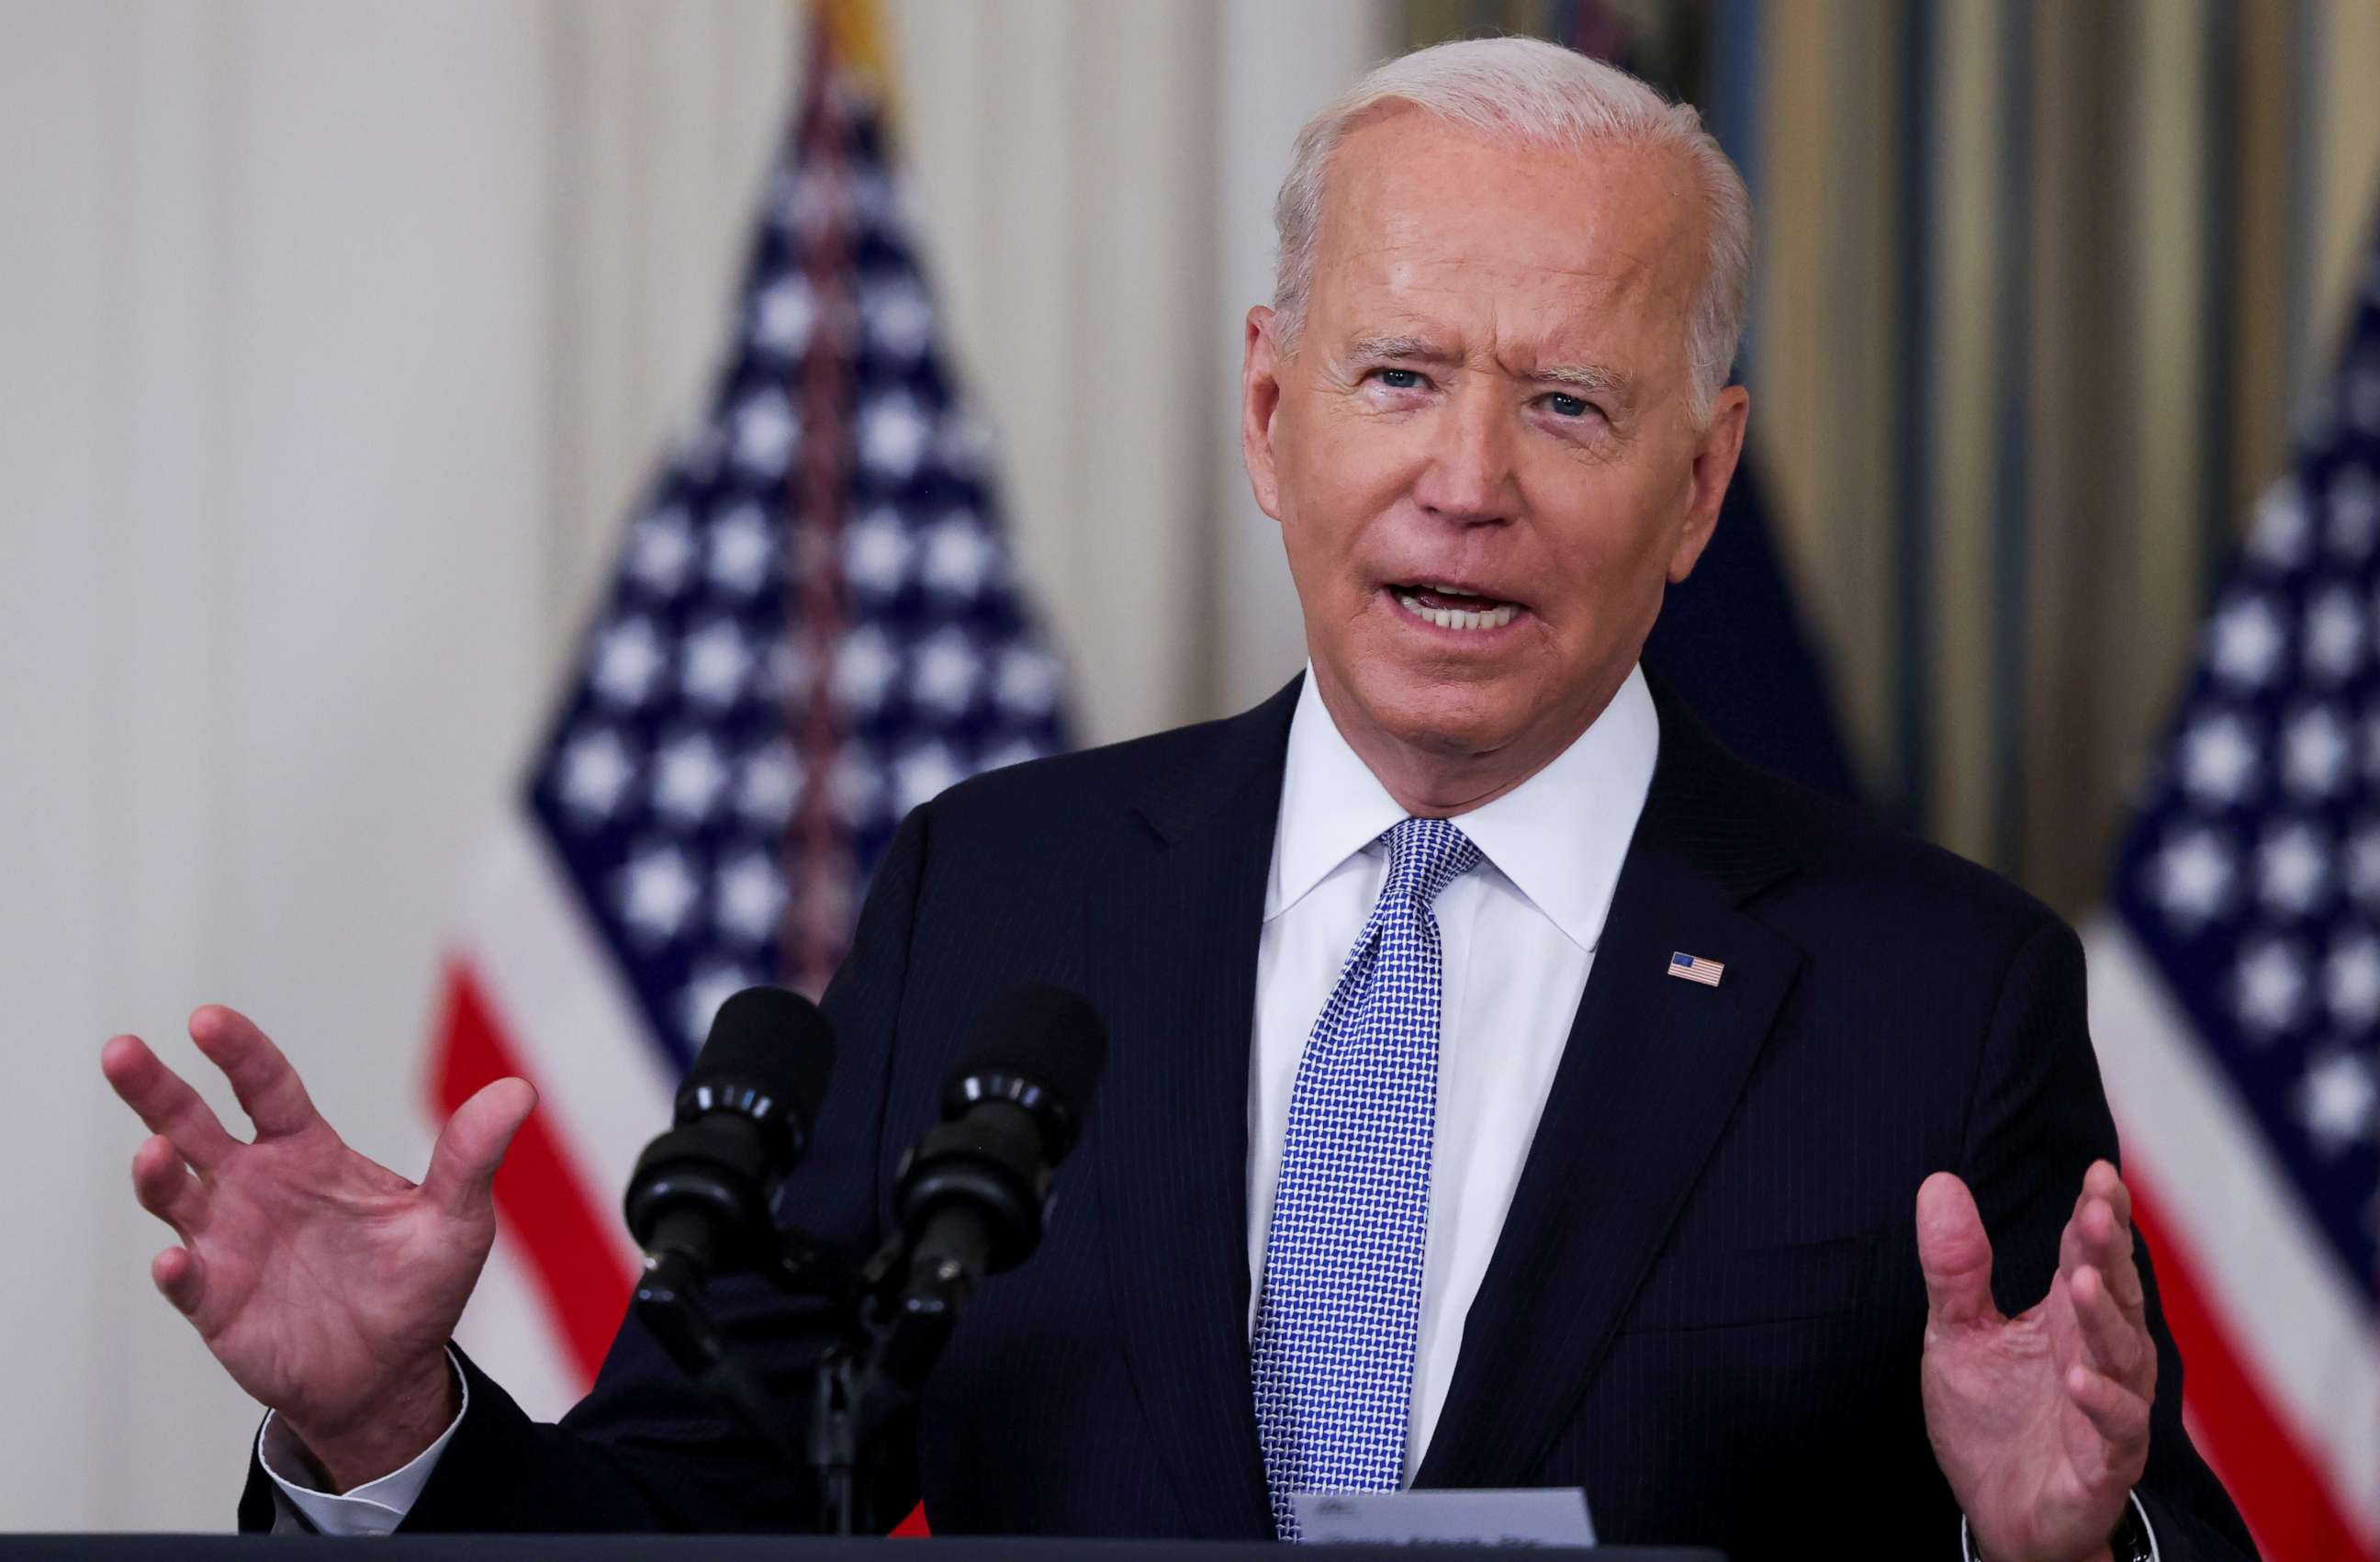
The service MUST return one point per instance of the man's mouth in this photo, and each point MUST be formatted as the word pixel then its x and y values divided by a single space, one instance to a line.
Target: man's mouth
pixel 1449 607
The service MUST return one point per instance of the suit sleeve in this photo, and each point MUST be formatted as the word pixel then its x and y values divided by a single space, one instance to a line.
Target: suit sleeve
pixel 646 1450
pixel 2038 1118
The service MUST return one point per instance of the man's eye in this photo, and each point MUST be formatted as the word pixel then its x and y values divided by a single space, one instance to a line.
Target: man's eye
pixel 1567 406
pixel 1401 379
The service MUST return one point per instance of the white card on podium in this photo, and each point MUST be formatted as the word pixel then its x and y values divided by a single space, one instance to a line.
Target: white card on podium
pixel 1540 1515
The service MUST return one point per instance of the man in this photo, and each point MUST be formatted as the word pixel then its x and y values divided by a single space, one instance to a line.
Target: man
pixel 1506 1086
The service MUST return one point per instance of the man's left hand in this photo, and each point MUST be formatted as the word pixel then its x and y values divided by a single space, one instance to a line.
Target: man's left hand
pixel 2040 1422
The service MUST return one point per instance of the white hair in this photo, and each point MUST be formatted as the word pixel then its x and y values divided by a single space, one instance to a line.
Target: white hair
pixel 1537 93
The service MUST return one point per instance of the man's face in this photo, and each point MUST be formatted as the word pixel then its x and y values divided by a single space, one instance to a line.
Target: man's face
pixel 1490 394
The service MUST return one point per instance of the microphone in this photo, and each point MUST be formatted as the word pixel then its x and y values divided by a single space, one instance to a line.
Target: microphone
pixel 703 1196
pixel 973 1193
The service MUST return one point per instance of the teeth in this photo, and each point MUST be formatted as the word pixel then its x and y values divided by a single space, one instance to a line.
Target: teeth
pixel 1455 617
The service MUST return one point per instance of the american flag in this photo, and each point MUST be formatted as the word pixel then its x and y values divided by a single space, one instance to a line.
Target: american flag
pixel 2235 996
pixel 814 627
pixel 1693 968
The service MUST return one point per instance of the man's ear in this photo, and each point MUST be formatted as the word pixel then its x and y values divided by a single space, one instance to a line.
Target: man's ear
pixel 1259 399
pixel 1715 452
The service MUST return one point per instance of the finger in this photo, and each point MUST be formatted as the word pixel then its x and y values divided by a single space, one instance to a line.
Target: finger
pixel 2119 1260
pixel 2123 1276
pixel 2099 1238
pixel 2112 1343
pixel 2085 1239
pixel 471 1146
pixel 269 1090
pixel 2103 1181
pixel 179 1277
pixel 1954 1252
pixel 2114 1412
pixel 2116 1258
pixel 166 1188
pixel 165 1102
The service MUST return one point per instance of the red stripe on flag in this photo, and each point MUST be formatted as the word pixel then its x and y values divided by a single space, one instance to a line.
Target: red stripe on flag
pixel 2283 1495
pixel 540 1201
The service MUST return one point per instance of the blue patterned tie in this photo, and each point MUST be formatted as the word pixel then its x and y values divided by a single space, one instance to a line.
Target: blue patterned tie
pixel 1333 1349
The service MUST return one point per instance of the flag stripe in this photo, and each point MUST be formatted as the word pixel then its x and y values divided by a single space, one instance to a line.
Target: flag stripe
pixel 2295 1324
pixel 566 1015
pixel 541 1202
pixel 2282 1492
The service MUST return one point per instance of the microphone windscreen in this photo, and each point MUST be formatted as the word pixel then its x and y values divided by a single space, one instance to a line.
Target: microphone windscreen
pixel 1039 1032
pixel 773 1039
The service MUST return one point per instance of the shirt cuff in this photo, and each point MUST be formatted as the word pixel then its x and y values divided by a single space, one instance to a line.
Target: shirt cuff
pixel 1967 1547
pixel 376 1507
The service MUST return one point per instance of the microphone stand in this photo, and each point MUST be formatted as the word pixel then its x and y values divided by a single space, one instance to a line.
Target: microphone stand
pixel 864 1383
pixel 669 1303
pixel 972 1195
pixel 834 1442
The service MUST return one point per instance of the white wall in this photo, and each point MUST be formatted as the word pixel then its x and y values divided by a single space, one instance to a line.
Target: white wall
pixel 334 342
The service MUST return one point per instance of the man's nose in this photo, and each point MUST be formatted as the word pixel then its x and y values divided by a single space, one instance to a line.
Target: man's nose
pixel 1469 478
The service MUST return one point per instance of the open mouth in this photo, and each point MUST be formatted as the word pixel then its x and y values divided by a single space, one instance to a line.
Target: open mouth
pixel 1449 607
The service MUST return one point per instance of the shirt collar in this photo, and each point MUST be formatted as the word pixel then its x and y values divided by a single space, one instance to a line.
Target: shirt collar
pixel 1558 837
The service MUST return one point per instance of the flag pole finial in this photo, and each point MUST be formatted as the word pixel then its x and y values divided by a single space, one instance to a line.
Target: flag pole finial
pixel 854 33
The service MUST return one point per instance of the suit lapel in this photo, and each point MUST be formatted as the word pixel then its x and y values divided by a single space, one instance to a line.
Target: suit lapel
pixel 1173 938
pixel 1649 1078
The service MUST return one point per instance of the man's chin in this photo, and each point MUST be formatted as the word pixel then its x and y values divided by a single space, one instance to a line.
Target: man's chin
pixel 1446 717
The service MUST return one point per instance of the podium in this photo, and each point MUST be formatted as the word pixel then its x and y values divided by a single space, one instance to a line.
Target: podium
pixel 758 1548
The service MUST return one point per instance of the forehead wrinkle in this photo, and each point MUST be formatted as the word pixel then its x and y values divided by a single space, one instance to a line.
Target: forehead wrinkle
pixel 1458 288
pixel 1372 200
pixel 1383 258
pixel 1369 222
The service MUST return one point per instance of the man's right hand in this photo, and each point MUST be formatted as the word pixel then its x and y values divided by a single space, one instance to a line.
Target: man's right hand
pixel 325 1284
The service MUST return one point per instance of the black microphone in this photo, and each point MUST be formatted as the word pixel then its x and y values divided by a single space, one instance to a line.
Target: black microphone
pixel 703 1196
pixel 973 1193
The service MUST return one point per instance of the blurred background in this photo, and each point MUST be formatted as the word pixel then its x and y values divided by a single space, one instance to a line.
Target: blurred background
pixel 340 343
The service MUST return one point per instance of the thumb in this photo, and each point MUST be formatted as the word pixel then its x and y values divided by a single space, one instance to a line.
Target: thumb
pixel 473 1143
pixel 1954 1252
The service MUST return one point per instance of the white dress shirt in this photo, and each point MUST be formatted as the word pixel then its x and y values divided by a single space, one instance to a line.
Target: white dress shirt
pixel 1517 934
pixel 1516 937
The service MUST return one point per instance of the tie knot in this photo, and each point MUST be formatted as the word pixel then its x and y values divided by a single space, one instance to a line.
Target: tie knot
pixel 1424 856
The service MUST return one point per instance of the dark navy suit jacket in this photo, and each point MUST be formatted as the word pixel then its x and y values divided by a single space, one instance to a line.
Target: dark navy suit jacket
pixel 1704 1307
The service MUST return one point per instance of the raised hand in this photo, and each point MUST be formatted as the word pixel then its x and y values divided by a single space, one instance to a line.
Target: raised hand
pixel 324 1283
pixel 2040 1422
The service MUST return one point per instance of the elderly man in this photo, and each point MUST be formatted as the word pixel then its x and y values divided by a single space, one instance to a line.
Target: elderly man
pixel 1507 1087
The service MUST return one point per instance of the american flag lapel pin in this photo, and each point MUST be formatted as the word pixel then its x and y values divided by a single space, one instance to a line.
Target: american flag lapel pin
pixel 1695 969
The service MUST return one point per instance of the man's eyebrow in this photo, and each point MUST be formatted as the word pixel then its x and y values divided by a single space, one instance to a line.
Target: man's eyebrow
pixel 1412 348
pixel 1592 377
